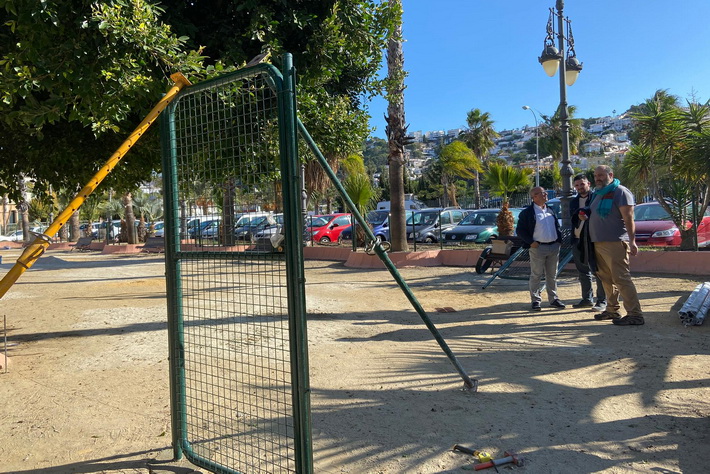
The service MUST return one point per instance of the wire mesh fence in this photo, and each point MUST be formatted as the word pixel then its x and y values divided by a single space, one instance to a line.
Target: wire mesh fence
pixel 231 328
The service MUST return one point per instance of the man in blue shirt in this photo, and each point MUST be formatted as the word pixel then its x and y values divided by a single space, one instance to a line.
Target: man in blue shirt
pixel 539 229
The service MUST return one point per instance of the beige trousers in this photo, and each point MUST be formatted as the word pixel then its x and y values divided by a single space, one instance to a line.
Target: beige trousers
pixel 614 272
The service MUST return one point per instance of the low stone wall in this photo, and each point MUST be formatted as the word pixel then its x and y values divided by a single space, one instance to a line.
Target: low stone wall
pixel 665 262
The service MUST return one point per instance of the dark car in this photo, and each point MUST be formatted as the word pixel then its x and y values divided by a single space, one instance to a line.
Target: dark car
pixel 429 225
pixel 376 219
pixel 248 226
pixel 477 227
pixel 203 228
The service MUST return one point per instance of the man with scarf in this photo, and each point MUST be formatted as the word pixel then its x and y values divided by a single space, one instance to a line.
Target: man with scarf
pixel 613 232
pixel 581 250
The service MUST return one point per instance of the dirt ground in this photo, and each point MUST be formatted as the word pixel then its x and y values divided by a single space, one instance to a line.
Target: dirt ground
pixel 87 387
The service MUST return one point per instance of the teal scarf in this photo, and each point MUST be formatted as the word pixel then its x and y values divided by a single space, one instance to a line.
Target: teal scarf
pixel 605 205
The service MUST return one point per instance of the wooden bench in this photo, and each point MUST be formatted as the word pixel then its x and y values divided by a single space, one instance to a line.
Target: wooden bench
pixel 83 244
pixel 154 245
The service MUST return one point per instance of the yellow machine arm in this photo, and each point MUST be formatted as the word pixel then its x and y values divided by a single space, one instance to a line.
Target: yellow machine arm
pixel 37 248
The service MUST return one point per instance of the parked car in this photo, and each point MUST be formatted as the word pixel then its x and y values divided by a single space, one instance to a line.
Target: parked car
pixel 655 227
pixel 159 229
pixel 477 227
pixel 271 228
pixel 428 225
pixel 12 237
pixel 211 229
pixel 197 229
pixel 556 206
pixel 249 224
pixel 412 204
pixel 376 219
pixel 331 231
pixel 17 235
pixel 317 222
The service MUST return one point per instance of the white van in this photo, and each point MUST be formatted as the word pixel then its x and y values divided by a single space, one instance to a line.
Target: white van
pixel 412 204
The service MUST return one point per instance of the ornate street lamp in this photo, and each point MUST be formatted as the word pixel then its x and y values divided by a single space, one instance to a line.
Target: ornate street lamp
pixel 537 146
pixel 552 59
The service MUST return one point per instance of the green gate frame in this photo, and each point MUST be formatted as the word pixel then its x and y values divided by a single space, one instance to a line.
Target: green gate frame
pixel 283 86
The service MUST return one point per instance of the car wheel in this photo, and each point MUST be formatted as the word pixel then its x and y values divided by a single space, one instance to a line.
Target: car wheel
pixel 483 262
pixel 324 240
pixel 429 240
pixel 490 239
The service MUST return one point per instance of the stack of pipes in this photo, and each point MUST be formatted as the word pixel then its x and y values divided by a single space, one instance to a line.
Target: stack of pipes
pixel 697 305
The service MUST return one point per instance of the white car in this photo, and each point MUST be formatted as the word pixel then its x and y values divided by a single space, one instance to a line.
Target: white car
pixel 17 235
pixel 14 237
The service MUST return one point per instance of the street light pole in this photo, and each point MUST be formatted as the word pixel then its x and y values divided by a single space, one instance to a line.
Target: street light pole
pixel 537 146
pixel 553 59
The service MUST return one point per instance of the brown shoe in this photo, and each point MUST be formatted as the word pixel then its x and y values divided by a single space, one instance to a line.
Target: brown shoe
pixel 604 315
pixel 629 321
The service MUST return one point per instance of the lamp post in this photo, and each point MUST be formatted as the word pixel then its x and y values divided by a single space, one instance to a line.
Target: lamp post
pixel 552 59
pixel 537 146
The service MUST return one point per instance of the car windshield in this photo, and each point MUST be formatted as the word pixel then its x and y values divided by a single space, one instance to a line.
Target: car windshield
pixel 246 220
pixel 480 218
pixel 422 218
pixel 652 212
pixel 377 217
pixel 320 221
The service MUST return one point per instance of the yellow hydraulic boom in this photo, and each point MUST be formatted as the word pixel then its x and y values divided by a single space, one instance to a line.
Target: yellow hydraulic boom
pixel 37 248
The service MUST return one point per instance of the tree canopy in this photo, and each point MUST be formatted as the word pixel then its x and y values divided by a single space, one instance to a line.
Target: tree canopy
pixel 86 72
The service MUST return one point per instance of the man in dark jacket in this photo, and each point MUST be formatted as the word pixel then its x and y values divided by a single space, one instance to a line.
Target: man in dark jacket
pixel 580 203
pixel 539 229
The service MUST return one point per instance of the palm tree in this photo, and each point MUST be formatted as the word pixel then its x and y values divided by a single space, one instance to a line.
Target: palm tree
pixel 479 137
pixel 396 130
pixel 503 180
pixel 678 169
pixel 149 208
pixel 457 160
pixel 364 195
pixel 637 169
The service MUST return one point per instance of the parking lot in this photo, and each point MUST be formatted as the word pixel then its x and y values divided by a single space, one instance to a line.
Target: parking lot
pixel 87 390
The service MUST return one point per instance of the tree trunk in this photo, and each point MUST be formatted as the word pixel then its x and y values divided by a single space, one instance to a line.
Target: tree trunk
pixel 477 187
pixel 130 218
pixel 396 131
pixel 228 211
pixel 23 208
pixel 74 224
pixel 5 213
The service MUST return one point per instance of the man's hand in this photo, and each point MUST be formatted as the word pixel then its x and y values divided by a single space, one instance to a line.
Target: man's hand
pixel 633 248
pixel 627 213
pixel 534 245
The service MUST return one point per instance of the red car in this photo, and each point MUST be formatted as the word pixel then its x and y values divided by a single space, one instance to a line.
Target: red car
pixel 654 227
pixel 332 229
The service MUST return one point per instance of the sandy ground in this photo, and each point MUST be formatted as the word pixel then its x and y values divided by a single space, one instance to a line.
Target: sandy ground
pixel 87 387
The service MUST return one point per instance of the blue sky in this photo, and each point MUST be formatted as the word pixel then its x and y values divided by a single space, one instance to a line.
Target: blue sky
pixel 465 54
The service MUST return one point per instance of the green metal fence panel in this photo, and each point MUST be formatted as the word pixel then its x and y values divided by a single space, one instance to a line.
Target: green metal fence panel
pixel 234 270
